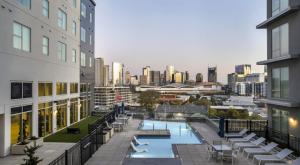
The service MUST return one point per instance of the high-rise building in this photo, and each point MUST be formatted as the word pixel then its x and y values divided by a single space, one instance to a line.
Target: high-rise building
pixel 117 74
pixel 155 78
pixel 40 70
pixel 110 96
pixel 143 80
pixel 187 75
pixel 146 72
pixel 212 74
pixel 127 78
pixel 199 78
pixel 169 73
pixel 283 65
pixel 231 81
pixel 244 69
pixel 162 79
pixel 99 72
pixel 183 77
pixel 177 77
pixel 134 80
pixel 106 75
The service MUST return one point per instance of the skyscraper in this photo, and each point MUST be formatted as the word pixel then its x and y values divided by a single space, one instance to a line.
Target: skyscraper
pixel 199 78
pixel 187 75
pixel 212 74
pixel 146 72
pixel 169 73
pixel 99 72
pixel 127 78
pixel 155 78
pixel 244 69
pixel 106 75
pixel 117 74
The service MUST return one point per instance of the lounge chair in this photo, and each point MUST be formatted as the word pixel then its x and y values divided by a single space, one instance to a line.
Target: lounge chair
pixel 107 125
pixel 236 135
pixel 273 158
pixel 138 142
pixel 262 150
pixel 254 143
pixel 229 155
pixel 137 149
pixel 244 139
pixel 295 162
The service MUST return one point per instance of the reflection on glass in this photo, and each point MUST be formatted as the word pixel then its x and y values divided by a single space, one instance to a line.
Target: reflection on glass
pixel 45 119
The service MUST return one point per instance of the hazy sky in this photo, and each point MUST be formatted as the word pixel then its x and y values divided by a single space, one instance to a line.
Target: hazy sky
pixel 189 34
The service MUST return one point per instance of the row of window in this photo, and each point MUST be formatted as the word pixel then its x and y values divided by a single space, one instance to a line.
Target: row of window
pixel 21 90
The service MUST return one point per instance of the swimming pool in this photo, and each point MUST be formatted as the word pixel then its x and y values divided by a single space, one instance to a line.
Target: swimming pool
pixel 161 147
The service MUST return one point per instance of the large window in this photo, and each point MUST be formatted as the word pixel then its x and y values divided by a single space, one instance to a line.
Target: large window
pixel 73 87
pixel 74 3
pixel 62 51
pixel 21 123
pixel 46 46
pixel 83 10
pixel 280 41
pixel 45 119
pixel 280 82
pixel 26 3
pixel 82 59
pixel 61 88
pixel 82 34
pixel 21 37
pixel 280 120
pixel 83 108
pixel 62 19
pixel 45 89
pixel 21 90
pixel 83 87
pixel 45 4
pixel 278 6
pixel 74 28
pixel 74 58
pixel 74 110
pixel 61 116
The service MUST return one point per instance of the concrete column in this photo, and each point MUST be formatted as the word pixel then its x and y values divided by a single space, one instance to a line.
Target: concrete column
pixel 35 113
pixel 7 127
pixel 79 105
pixel 68 112
pixel 54 125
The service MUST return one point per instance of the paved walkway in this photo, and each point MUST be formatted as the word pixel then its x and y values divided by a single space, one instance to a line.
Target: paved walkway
pixel 114 152
pixel 48 152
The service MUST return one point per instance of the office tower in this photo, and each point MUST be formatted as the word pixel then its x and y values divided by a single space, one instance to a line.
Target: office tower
pixel 39 69
pixel 177 77
pixel 162 79
pixel 155 78
pixel 146 72
pixel 231 82
pixel 106 75
pixel 127 78
pixel 169 73
pixel 283 66
pixel 117 74
pixel 99 72
pixel 134 80
pixel 143 80
pixel 212 74
pixel 187 75
pixel 199 78
pixel 87 49
pixel 244 69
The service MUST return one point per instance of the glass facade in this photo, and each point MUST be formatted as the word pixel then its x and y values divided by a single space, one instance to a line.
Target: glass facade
pixel 280 82
pixel 83 108
pixel 21 37
pixel 280 41
pixel 61 116
pixel 73 87
pixel 21 123
pixel 45 119
pixel 280 120
pixel 278 6
pixel 61 88
pixel 21 90
pixel 74 111
pixel 45 89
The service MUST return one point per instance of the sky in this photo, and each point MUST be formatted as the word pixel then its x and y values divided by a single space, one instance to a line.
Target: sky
pixel 189 34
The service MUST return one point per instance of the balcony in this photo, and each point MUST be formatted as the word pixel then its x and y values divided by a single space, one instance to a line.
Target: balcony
pixel 278 59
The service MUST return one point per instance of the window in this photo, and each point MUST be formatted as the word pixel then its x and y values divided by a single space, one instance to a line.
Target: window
pixel 21 37
pixel 45 118
pixel 82 59
pixel 280 82
pixel 91 39
pixel 62 52
pixel 26 3
pixel 73 87
pixel 83 10
pixel 74 28
pixel 45 4
pixel 74 3
pixel 83 108
pixel 82 34
pixel 280 120
pixel 91 17
pixel 21 123
pixel 45 89
pixel 83 87
pixel 74 110
pixel 278 6
pixel 62 19
pixel 91 62
pixel 61 88
pixel 21 90
pixel 280 41
pixel 61 116
pixel 74 56
pixel 46 46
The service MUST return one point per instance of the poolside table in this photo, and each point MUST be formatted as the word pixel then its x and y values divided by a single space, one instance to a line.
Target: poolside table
pixel 221 148
pixel 118 125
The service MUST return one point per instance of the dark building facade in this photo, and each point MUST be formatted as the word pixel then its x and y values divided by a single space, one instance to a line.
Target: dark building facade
pixel 199 78
pixel 212 74
pixel 283 66
pixel 87 54
pixel 155 78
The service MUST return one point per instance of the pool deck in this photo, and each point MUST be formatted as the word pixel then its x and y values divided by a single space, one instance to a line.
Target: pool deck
pixel 115 151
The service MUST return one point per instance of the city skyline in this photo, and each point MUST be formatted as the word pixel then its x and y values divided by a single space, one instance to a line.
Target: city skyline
pixel 145 35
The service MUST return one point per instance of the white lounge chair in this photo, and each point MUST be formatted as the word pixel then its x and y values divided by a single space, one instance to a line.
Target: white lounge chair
pixel 262 150
pixel 254 143
pixel 236 135
pixel 138 142
pixel 295 162
pixel 137 149
pixel 273 158
pixel 244 139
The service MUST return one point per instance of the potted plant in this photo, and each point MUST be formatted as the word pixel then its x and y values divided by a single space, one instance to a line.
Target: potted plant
pixel 30 152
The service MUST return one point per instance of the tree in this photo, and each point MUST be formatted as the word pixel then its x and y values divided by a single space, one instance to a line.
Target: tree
pixel 192 99
pixel 30 152
pixel 212 112
pixel 148 99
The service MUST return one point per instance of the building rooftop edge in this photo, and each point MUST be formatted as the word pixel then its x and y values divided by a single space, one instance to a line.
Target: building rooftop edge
pixel 283 103
pixel 278 59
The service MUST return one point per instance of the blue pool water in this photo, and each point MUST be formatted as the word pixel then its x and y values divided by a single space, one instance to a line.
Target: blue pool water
pixel 161 147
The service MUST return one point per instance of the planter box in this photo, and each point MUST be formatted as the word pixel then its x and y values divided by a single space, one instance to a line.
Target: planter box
pixel 18 149
pixel 111 133
pixel 105 137
pixel 38 141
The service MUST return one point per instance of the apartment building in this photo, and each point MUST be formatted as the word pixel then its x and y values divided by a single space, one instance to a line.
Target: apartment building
pixel 109 96
pixel 39 83
pixel 87 54
pixel 283 65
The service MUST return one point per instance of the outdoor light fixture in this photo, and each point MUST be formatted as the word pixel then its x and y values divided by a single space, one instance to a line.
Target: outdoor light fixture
pixel 293 122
